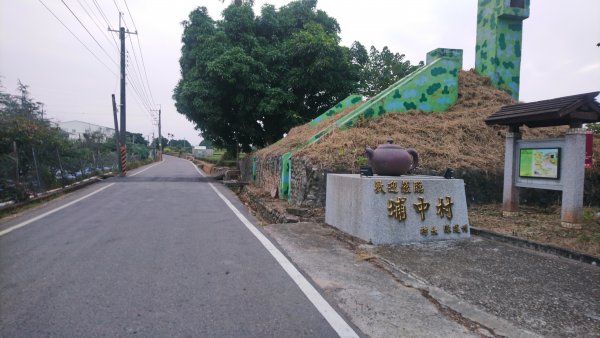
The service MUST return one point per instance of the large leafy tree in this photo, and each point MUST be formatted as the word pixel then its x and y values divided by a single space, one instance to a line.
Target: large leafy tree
pixel 380 70
pixel 246 79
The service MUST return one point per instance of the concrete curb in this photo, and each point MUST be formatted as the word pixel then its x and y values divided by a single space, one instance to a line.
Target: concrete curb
pixel 547 248
pixel 50 195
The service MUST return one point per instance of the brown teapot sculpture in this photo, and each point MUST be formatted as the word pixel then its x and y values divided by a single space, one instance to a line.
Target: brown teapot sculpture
pixel 392 160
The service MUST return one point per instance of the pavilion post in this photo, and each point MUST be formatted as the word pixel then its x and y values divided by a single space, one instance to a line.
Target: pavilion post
pixel 573 176
pixel 510 193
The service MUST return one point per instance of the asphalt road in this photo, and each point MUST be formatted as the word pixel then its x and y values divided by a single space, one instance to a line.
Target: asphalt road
pixel 158 254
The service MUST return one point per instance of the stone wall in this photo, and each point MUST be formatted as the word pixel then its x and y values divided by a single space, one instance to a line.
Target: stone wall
pixel 308 183
pixel 266 175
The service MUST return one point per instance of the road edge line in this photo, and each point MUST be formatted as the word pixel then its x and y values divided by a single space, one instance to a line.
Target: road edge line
pixel 334 319
pixel 22 224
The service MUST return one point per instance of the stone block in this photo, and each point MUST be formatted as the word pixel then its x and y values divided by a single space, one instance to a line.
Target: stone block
pixel 393 210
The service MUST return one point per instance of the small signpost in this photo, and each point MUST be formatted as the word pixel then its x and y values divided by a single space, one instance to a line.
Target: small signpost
pixel 553 164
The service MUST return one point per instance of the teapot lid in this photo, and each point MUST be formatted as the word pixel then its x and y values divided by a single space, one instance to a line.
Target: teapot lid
pixel 389 144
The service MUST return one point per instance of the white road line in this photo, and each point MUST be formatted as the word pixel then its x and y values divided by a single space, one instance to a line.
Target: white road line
pixel 327 311
pixel 141 171
pixel 22 224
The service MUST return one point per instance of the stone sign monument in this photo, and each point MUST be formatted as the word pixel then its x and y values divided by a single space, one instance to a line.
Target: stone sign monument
pixel 397 209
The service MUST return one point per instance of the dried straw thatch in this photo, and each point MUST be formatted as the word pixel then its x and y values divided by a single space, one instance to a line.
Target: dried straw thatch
pixel 298 135
pixel 458 138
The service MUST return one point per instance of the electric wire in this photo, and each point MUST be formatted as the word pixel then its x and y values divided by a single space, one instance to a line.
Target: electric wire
pixel 118 9
pixel 89 11
pixel 140 105
pixel 140 88
pixel 101 12
pixel 84 27
pixel 137 93
pixel 140 76
pixel 130 16
pixel 144 66
pixel 137 81
pixel 139 96
pixel 78 39
pixel 140 49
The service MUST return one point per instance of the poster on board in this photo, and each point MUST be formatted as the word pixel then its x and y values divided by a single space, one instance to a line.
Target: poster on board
pixel 539 163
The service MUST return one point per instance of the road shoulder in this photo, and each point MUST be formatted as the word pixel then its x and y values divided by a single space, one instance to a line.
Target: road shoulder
pixel 380 302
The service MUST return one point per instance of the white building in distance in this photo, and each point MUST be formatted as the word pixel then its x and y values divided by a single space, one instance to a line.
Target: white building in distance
pixel 201 151
pixel 76 129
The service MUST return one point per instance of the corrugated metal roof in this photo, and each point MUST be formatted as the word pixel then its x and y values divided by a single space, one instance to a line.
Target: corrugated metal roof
pixel 574 109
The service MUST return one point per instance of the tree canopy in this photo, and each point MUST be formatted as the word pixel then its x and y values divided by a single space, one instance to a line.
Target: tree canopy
pixel 380 70
pixel 246 80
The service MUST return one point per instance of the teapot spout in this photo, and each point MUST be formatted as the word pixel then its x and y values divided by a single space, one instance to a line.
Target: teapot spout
pixel 369 152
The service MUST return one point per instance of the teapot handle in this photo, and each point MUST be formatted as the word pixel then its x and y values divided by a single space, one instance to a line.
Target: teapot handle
pixel 415 157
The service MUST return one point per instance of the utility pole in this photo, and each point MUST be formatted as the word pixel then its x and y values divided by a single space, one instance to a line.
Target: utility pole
pixel 160 145
pixel 123 128
pixel 114 103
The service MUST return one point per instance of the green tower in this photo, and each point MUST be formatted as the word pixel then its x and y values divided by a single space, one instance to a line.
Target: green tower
pixel 499 41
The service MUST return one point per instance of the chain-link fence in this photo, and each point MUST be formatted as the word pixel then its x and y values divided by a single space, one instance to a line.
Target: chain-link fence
pixel 36 155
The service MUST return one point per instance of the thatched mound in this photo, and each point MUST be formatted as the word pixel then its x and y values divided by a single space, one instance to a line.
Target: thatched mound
pixel 298 135
pixel 458 138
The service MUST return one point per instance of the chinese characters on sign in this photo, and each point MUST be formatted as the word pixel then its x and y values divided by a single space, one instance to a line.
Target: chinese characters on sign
pixel 456 228
pixel 444 209
pixel 421 207
pixel 392 187
pixel 379 187
pixel 396 208
pixel 418 187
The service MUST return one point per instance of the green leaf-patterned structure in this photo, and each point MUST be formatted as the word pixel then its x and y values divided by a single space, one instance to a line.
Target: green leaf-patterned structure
pixel 432 88
pixel 499 41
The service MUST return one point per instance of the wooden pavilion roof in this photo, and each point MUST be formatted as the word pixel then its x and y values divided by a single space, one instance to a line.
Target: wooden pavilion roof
pixel 569 110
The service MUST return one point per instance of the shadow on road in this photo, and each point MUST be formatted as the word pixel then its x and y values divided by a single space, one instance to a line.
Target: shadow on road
pixel 160 179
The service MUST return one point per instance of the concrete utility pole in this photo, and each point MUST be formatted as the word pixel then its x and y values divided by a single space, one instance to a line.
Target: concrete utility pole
pixel 114 103
pixel 160 145
pixel 123 129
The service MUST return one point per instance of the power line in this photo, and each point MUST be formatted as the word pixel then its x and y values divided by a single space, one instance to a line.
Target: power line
pixel 84 27
pixel 141 52
pixel 135 80
pixel 144 65
pixel 140 98
pixel 76 37
pixel 118 9
pixel 95 21
pixel 130 16
pixel 139 72
pixel 101 12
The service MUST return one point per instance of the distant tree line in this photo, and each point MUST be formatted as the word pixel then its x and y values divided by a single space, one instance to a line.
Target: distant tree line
pixel 247 79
